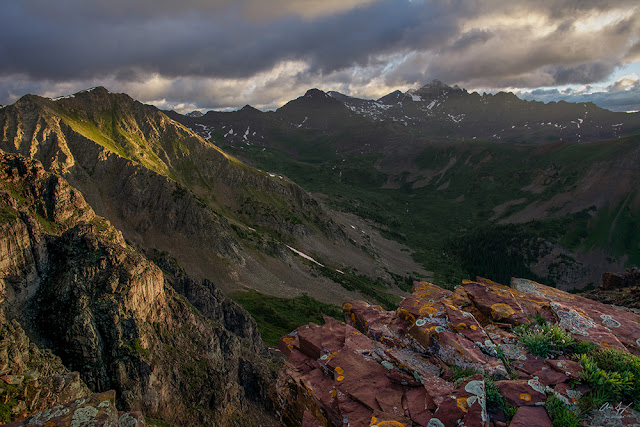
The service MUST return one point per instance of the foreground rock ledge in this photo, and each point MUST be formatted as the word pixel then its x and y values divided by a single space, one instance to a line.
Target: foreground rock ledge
pixel 96 410
pixel 393 368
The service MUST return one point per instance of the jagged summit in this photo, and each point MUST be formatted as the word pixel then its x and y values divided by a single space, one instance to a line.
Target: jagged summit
pixel 195 113
pixel 249 109
pixel 316 93
pixel 436 89
pixel 391 98
pixel 338 95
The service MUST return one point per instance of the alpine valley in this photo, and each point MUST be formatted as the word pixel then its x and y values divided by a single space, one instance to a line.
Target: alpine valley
pixel 163 256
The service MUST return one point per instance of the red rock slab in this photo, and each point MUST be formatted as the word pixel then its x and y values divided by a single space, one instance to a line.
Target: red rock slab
pixel 570 393
pixel 455 349
pixel 461 299
pixel 621 323
pixel 422 369
pixel 486 282
pixel 390 400
pixel 309 420
pixel 402 378
pixel 466 405
pixel 352 412
pixel 315 340
pixel 420 405
pixel 287 342
pixel 465 323
pixel 301 362
pixel 530 365
pixel 356 340
pixel 582 326
pixel 550 377
pixel 570 368
pixel 500 336
pixel 521 392
pixel 362 315
pixel 362 379
pixel 425 300
pixel 531 416
pixel 322 386
pixel 382 419
pixel 497 303
pixel 424 332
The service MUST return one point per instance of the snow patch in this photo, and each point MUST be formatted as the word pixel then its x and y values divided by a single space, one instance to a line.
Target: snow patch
pixel 305 256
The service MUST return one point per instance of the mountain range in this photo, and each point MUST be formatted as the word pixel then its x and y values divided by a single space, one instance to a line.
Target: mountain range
pixel 131 238
pixel 444 170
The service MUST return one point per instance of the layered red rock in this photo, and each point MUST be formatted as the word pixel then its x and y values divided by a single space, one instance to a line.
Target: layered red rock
pixel 395 367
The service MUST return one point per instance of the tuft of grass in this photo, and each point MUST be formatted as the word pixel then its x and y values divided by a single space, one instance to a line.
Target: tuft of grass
pixel 561 416
pixel 460 374
pixel 140 351
pixel 545 340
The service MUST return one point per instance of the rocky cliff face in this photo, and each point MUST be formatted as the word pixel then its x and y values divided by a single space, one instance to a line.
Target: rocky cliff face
pixel 80 291
pixel 484 354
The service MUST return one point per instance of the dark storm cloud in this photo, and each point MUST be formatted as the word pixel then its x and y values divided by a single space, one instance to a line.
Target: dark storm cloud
pixel 225 53
pixel 581 74
pixel 470 39
pixel 70 39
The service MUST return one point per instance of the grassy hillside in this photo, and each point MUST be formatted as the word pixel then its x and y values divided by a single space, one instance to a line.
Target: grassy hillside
pixel 451 206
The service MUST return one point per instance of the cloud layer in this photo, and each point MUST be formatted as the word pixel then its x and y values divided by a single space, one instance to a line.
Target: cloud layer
pixel 224 54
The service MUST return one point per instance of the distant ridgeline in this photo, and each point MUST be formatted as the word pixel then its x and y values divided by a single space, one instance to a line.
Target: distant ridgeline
pixel 474 184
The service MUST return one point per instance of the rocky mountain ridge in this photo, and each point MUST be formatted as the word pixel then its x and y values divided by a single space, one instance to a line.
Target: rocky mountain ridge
pixel 75 287
pixel 168 189
pixel 417 177
pixel 452 112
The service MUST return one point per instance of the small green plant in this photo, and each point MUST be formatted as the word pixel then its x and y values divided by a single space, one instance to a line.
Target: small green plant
pixel 582 347
pixel 140 351
pixel 545 340
pixel 613 376
pixel 561 416
pixel 496 400
pixel 459 374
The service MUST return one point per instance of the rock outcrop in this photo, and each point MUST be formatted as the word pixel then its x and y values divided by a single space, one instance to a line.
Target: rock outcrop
pixel 400 367
pixel 98 410
pixel 72 285
pixel 620 289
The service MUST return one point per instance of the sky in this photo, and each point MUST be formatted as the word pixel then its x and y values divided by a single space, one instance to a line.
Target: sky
pixel 223 54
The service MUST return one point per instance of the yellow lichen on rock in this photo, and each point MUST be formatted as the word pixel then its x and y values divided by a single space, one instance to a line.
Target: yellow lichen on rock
pixel 500 311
